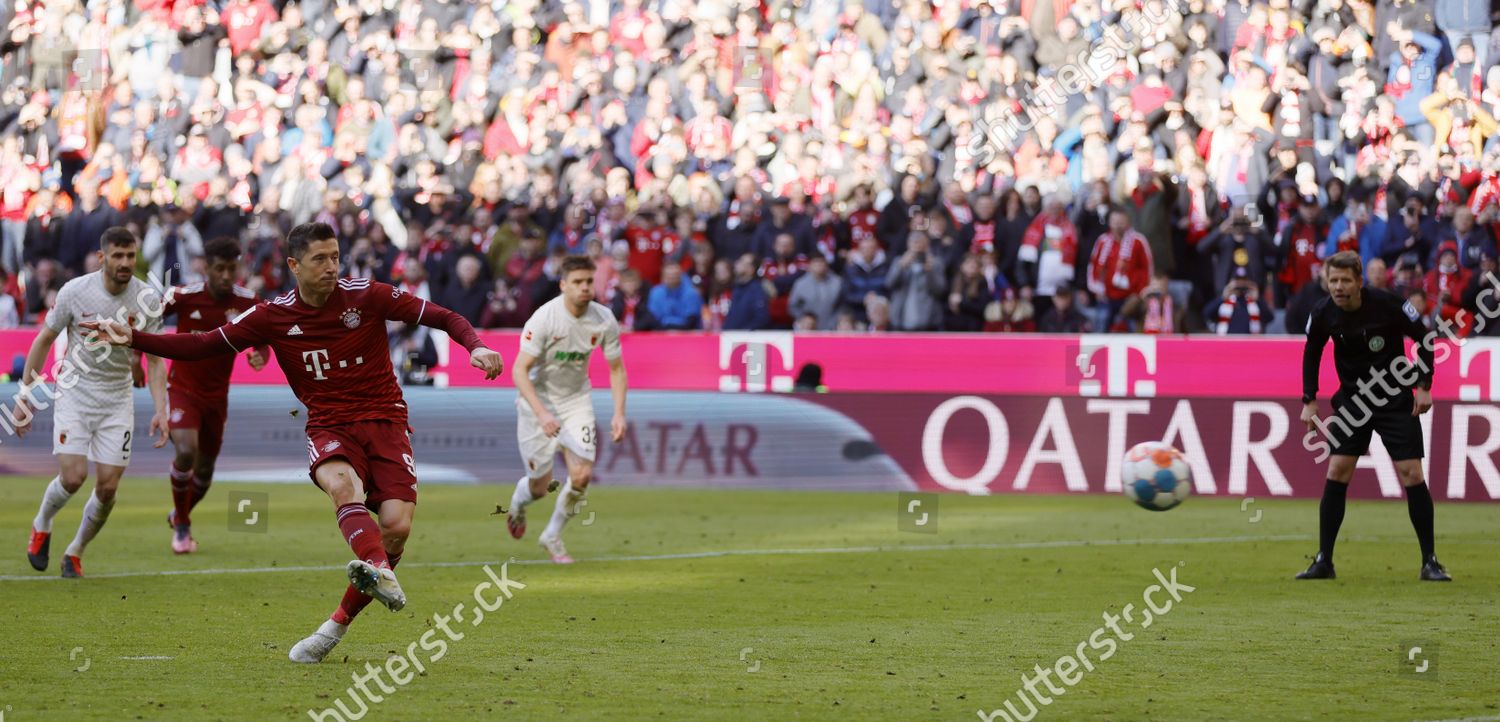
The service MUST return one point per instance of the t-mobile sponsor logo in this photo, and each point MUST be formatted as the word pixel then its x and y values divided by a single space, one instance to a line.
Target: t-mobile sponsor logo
pixel 1470 388
pixel 1095 375
pixel 316 362
pixel 749 354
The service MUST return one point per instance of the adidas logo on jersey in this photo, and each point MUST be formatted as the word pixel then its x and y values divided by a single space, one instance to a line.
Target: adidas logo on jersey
pixel 294 331
pixel 195 315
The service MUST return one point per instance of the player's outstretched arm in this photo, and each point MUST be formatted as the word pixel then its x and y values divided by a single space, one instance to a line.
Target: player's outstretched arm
pixel 459 329
pixel 178 346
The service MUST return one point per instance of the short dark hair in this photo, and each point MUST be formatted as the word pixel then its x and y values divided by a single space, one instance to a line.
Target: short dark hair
pixel 222 248
pixel 306 234
pixel 575 263
pixel 116 236
pixel 1347 261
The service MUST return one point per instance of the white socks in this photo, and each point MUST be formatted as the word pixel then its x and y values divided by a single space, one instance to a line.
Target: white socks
pixel 567 506
pixel 53 500
pixel 522 498
pixel 95 513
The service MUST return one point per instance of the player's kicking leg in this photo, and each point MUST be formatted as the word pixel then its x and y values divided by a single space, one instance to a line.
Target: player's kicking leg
pixel 569 500
pixel 370 574
pixel 73 470
pixel 1419 509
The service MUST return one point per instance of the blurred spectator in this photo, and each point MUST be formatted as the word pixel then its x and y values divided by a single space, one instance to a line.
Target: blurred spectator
pixel 629 304
pixel 1446 283
pixel 916 281
pixel 1154 311
pixel 1120 267
pixel 1299 309
pixel 750 306
pixel 1299 241
pixel 1377 276
pixel 1048 252
pixel 878 314
pixel 816 293
pixel 865 276
pixel 1241 310
pixel 676 305
pixel 10 310
pixel 782 221
pixel 1238 245
pixel 719 296
pixel 1011 314
pixel 525 272
pixel 1486 315
pixel 1064 316
pixel 968 296
pixel 502 310
pixel 466 294
pixel 781 270
pixel 170 245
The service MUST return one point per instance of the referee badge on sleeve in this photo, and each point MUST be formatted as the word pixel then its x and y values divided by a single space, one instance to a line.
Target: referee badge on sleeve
pixel 1378 342
pixel 1411 311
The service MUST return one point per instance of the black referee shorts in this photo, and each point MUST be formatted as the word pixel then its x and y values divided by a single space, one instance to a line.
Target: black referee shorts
pixel 1399 430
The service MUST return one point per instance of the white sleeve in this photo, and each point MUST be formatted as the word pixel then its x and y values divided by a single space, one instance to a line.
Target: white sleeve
pixel 61 315
pixel 611 342
pixel 152 305
pixel 534 335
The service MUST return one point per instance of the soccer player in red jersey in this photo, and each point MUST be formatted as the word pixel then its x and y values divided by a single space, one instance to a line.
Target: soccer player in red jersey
pixel 198 391
pixel 330 340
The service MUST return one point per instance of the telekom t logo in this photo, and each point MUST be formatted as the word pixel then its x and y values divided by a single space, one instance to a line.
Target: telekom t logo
pixel 316 362
pixel 1083 364
pixel 750 347
pixel 1472 349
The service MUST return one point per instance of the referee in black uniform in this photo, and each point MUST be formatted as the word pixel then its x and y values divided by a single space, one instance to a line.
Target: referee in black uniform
pixel 1380 390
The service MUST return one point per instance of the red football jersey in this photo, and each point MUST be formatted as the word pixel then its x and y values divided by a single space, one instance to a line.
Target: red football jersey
pixel 336 358
pixel 198 311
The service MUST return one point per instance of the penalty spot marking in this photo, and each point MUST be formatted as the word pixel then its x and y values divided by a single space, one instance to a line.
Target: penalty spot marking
pixel 1059 544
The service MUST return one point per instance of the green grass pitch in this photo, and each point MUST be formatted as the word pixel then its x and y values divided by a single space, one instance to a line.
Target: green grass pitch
pixel 822 610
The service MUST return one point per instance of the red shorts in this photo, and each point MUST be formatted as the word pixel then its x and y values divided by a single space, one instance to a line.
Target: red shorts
pixel 190 413
pixel 379 451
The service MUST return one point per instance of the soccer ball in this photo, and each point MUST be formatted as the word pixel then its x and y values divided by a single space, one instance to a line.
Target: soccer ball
pixel 1155 476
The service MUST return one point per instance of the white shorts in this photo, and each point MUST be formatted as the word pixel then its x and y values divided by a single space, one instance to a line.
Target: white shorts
pixel 578 435
pixel 102 435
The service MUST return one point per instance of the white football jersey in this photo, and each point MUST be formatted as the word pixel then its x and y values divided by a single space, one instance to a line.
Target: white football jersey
pixel 99 376
pixel 562 343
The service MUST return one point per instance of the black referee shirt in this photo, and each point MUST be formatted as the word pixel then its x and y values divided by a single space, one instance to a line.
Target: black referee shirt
pixel 1364 340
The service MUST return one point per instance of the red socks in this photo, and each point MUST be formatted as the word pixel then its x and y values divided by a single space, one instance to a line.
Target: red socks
pixel 353 602
pixel 362 533
pixel 182 494
pixel 200 489
pixel 187 491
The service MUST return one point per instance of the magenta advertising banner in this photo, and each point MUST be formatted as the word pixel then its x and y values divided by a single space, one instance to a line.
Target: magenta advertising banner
pixel 980 444
pixel 1087 366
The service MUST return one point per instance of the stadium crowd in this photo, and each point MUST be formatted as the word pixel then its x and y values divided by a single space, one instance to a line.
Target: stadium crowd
pixel 967 165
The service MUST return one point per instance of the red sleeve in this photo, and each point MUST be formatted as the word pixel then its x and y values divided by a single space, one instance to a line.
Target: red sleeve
pixel 402 306
pixel 233 337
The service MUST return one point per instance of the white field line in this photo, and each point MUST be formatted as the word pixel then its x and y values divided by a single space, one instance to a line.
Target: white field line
pixel 1059 544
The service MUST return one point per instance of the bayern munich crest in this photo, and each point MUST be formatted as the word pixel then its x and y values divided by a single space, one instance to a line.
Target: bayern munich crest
pixel 351 318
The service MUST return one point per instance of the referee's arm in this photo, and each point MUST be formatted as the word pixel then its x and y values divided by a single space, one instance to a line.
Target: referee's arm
pixel 1424 341
pixel 1312 361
